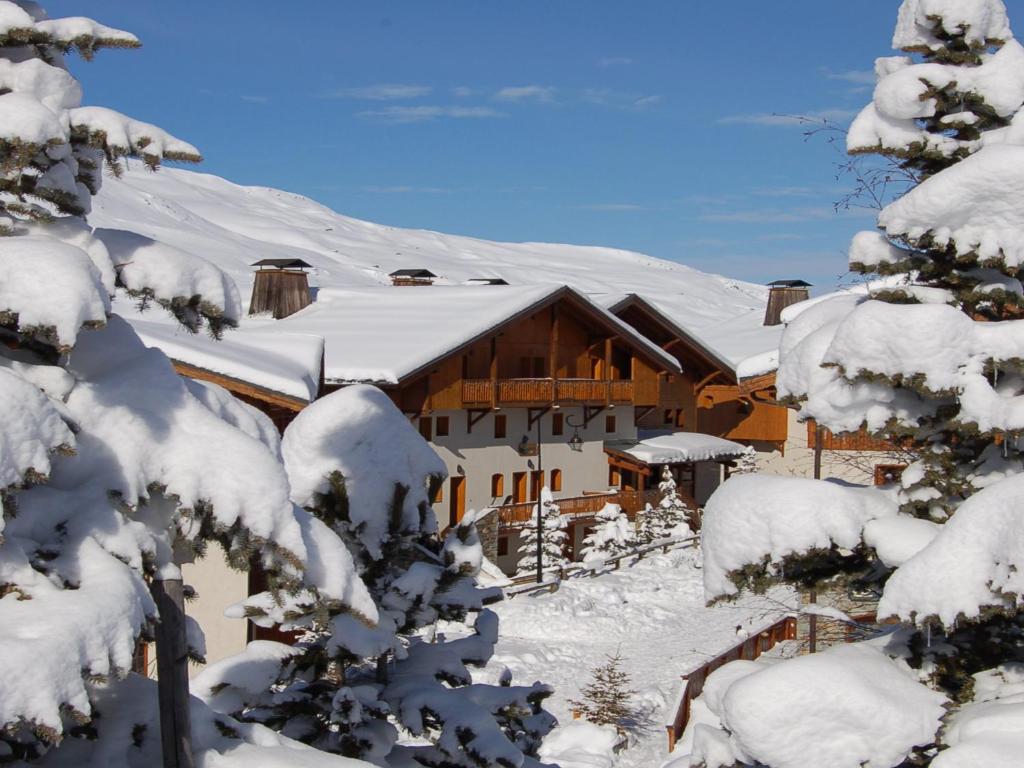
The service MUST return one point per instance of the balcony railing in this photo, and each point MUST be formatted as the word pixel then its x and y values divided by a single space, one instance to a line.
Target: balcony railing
pixel 579 507
pixel 481 392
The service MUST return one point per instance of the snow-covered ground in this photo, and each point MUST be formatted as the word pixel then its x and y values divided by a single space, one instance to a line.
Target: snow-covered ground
pixel 652 611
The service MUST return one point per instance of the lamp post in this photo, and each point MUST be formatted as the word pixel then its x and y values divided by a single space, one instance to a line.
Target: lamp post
pixel 540 504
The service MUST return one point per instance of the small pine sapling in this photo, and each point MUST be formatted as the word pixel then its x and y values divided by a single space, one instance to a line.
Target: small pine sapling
pixel 664 520
pixel 606 697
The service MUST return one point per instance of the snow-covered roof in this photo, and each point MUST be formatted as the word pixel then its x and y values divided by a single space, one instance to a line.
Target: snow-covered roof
pixel 727 339
pixel 655 448
pixel 387 334
pixel 615 302
pixel 285 363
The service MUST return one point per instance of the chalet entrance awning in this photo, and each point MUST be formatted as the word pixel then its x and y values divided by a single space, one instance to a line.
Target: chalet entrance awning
pixel 655 448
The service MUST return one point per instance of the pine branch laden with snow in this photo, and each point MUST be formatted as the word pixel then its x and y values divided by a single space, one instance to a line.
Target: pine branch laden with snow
pixel 612 535
pixel 553 537
pixel 930 358
pixel 671 517
pixel 351 686
pixel 113 469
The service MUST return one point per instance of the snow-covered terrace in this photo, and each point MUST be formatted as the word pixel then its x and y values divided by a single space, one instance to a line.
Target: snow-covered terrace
pixel 656 448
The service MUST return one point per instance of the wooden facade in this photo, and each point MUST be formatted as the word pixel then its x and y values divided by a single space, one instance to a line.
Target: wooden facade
pixel 557 354
pixel 706 397
pixel 281 292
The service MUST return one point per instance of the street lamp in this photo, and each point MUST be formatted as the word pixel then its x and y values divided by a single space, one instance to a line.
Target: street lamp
pixel 575 442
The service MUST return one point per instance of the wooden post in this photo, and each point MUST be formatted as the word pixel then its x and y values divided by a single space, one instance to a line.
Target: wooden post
pixel 172 672
pixel 812 634
pixel 494 373
pixel 553 362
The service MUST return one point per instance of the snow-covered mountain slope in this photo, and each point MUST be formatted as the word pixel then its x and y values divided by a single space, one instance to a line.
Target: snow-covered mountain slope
pixel 234 226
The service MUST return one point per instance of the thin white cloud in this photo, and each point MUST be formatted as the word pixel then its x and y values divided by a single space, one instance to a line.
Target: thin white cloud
pixel 517 93
pixel 462 92
pixel 855 76
pixel 408 190
pixel 614 61
pixel 779 216
pixel 609 207
pixel 605 97
pixel 776 119
pixel 255 99
pixel 422 114
pixel 785 192
pixel 380 92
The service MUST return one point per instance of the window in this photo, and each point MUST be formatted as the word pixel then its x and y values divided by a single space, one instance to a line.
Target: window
pixel 426 427
pixel 536 483
pixel 500 425
pixel 609 424
pixel 888 473
pixel 503 546
pixel 497 486
pixel 668 418
pixel 614 477
pixel 557 424
pixel 442 426
pixel 438 494
pixel 556 480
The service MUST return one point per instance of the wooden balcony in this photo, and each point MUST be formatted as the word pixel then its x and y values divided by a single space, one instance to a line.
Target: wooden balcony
pixel 579 507
pixel 478 393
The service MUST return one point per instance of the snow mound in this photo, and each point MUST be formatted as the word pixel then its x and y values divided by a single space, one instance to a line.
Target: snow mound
pixel 975 562
pixel 989 731
pixel 757 518
pixel 581 745
pixel 360 433
pixel 980 21
pixel 848 707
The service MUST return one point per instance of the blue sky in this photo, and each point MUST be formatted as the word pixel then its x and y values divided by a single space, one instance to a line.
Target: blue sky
pixel 651 124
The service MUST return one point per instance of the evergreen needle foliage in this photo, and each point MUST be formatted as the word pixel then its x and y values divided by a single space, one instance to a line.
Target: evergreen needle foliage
pixel 606 697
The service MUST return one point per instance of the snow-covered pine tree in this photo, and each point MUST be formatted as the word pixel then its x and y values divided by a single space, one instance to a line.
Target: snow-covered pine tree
pixel 349 688
pixel 928 115
pixel 612 535
pixel 746 464
pixel 113 470
pixel 931 357
pixel 668 517
pixel 553 537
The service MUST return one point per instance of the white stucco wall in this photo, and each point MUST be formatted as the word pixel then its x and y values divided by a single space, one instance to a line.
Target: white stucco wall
pixel 798 460
pixel 480 455
pixel 218 587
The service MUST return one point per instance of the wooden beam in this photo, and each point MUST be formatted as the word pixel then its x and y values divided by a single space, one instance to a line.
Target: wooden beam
pixel 706 380
pixel 533 415
pixel 239 387
pixel 639 414
pixel 553 362
pixel 473 417
pixel 172 674
pixel 494 372
pixel 591 412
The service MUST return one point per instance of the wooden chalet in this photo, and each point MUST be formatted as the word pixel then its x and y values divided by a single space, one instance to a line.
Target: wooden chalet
pixel 406 277
pixel 707 396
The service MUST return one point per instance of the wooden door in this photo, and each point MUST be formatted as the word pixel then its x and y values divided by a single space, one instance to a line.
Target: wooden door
pixel 518 487
pixel 457 500
pixel 536 482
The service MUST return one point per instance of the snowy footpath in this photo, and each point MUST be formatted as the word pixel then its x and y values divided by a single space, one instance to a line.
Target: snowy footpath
pixel 652 612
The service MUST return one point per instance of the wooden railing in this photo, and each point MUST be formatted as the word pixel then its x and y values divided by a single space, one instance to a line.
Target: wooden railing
pixel 749 649
pixel 481 392
pixel 577 507
pixel 620 391
pixel 525 390
pixel 581 391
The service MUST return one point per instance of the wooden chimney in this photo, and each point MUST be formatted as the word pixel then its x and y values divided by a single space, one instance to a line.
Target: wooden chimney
pixel 412 277
pixel 783 293
pixel 280 287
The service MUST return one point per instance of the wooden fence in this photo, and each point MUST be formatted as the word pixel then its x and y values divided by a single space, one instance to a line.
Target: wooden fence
pixel 749 649
pixel 579 507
